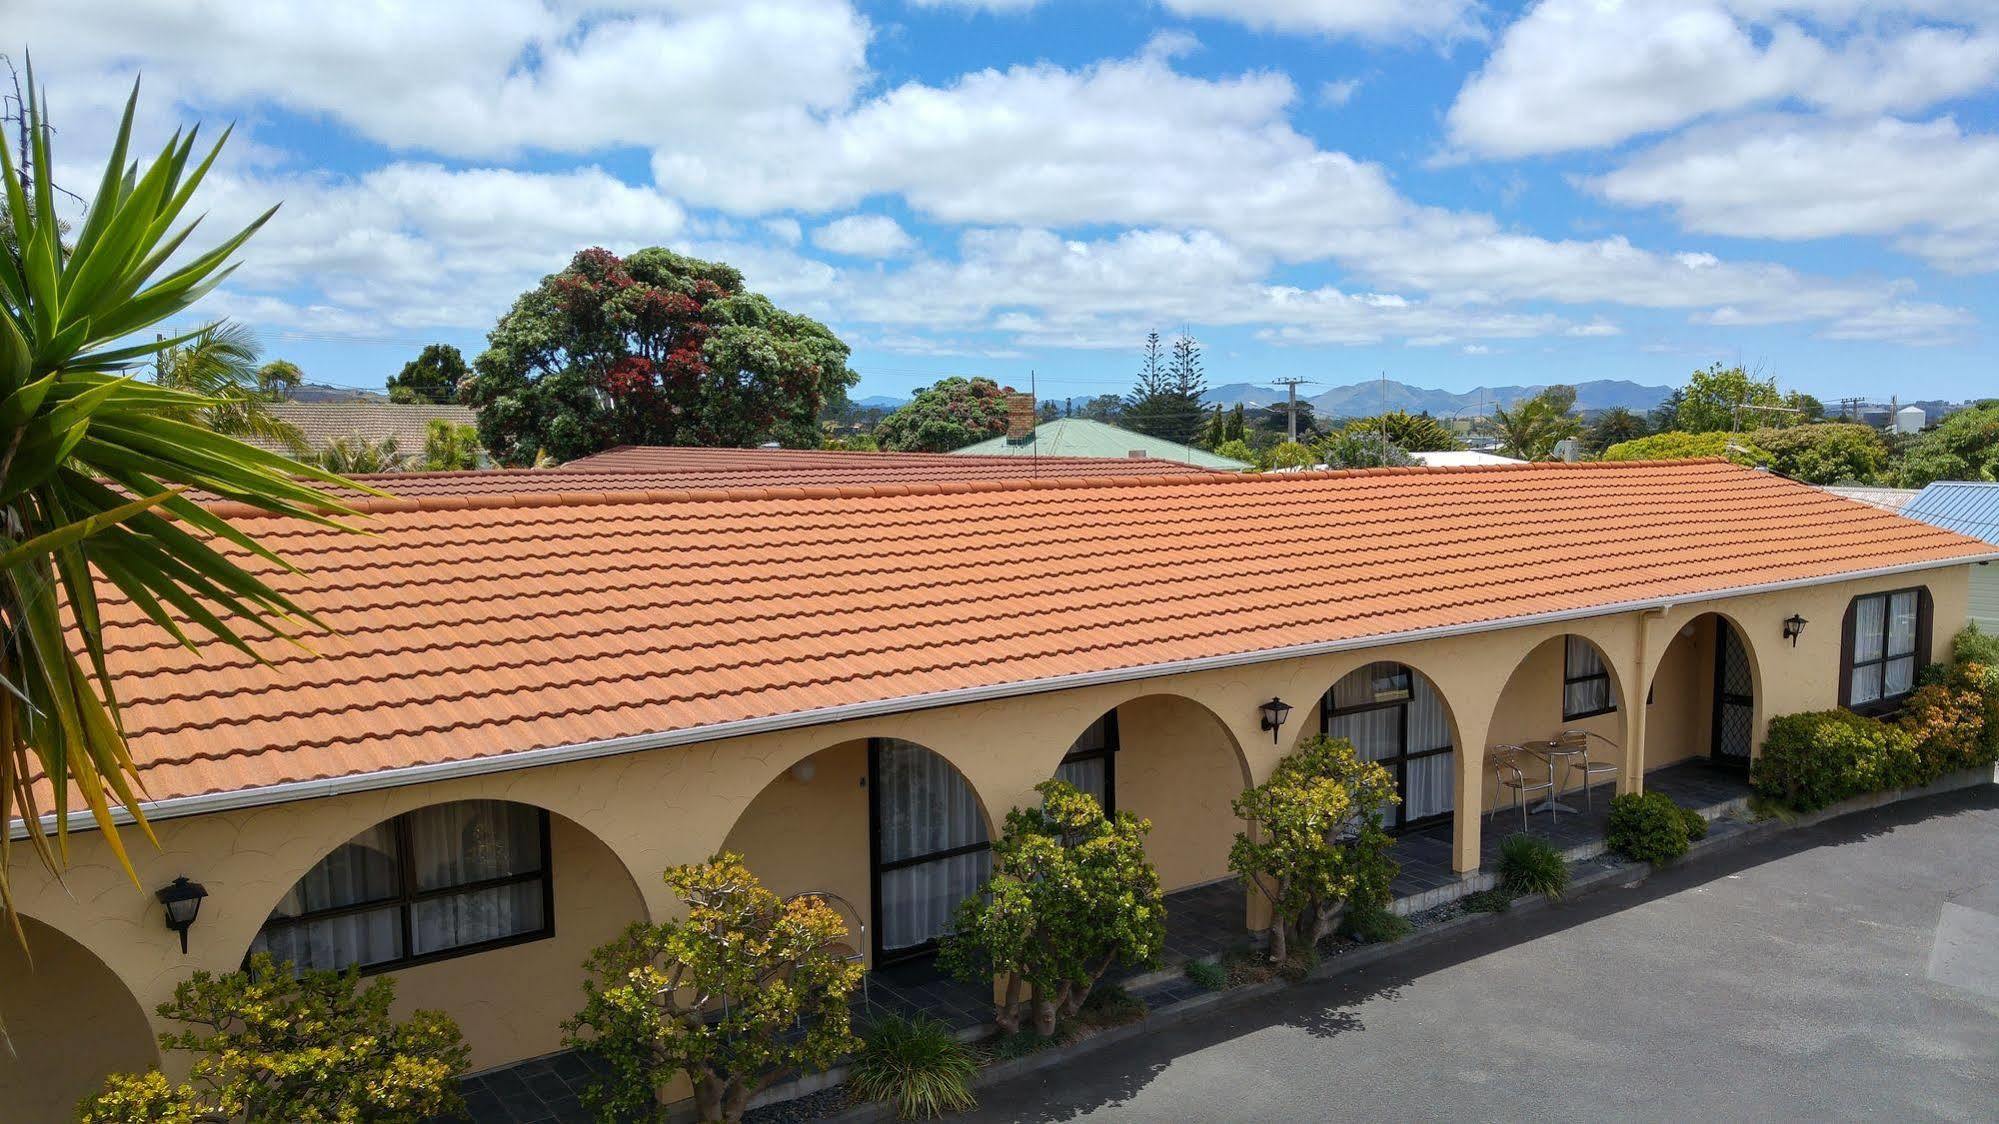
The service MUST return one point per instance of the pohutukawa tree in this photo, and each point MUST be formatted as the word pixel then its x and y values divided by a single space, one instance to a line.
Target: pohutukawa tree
pixel 1316 843
pixel 651 349
pixel 949 414
pixel 1071 895
pixel 745 989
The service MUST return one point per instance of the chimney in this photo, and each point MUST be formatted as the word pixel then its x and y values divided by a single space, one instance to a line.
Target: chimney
pixel 1135 454
pixel 1020 418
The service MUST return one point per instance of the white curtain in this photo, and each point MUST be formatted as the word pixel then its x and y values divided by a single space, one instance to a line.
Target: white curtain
pixel 1899 676
pixel 1431 780
pixel 1379 735
pixel 1868 614
pixel 1592 695
pixel 366 868
pixel 924 806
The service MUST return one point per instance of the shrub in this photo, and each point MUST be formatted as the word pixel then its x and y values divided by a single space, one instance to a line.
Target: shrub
pixel 1207 975
pixel 1831 453
pixel 746 988
pixel 1646 827
pixel 1676 445
pixel 1071 894
pixel 917 1065
pixel 1696 824
pixel 1812 759
pixel 1974 647
pixel 1953 721
pixel 1317 844
pixel 1532 866
pixel 1111 1005
pixel 271 1045
pixel 1374 925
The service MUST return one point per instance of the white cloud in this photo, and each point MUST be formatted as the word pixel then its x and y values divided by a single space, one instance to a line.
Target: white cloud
pixel 864 236
pixel 1794 177
pixel 1367 19
pixel 1338 93
pixel 1575 74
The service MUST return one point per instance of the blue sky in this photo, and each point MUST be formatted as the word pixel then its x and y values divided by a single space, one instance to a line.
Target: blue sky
pixel 1457 194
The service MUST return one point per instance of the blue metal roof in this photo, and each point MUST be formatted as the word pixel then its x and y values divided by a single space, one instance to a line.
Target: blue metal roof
pixel 1956 505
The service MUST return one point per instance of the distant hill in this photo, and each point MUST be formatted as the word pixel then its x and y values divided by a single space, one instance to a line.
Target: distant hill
pixel 1363 399
pixel 880 402
pixel 321 392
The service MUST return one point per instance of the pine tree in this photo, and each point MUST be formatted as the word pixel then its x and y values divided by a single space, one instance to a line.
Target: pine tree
pixel 1166 401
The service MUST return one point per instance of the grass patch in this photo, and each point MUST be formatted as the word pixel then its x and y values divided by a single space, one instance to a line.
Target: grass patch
pixel 1487 901
pixel 1375 925
pixel 917 1065
pixel 1110 1005
pixel 1207 975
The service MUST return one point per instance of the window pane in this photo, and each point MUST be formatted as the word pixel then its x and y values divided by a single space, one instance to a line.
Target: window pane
pixel 1586 697
pixel 1866 683
pixel 1900 678
pixel 1868 614
pixel 366 938
pixel 1583 658
pixel 1902 624
pixel 1375 734
pixel 1088 775
pixel 924 804
pixel 1431 780
pixel 918 901
pixel 1098 736
pixel 1429 726
pixel 363 869
pixel 474 840
pixel 481 915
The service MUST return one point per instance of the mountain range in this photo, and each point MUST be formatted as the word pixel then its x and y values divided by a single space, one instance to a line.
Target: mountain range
pixel 1364 399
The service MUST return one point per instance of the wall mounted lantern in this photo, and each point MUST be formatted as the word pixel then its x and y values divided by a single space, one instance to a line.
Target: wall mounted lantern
pixel 182 901
pixel 1274 713
pixel 1794 627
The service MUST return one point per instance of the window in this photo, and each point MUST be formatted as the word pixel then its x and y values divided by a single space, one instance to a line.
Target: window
pixel 1091 763
pixel 930 847
pixel 1585 681
pixel 1885 636
pixel 1395 717
pixel 440 881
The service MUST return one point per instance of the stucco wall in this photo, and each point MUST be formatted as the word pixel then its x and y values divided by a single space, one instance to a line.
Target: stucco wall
pixel 657 808
pixel 72 1022
pixel 1178 766
pixel 801 835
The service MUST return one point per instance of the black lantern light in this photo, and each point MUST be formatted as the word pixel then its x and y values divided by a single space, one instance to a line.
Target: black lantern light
pixel 1794 627
pixel 182 901
pixel 1274 713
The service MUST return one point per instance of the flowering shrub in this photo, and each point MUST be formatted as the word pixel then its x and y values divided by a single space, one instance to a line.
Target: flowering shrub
pixel 1950 721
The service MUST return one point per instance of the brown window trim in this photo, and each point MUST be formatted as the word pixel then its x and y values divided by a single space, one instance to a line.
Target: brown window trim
pixel 1886 704
pixel 408 899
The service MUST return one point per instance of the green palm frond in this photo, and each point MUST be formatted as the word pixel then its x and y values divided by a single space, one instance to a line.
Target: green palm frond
pixel 220 364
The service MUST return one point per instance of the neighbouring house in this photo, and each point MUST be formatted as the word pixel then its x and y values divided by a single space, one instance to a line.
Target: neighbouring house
pixel 1081 437
pixel 534 702
pixel 837 466
pixel 1887 499
pixel 370 421
pixel 1969 508
pixel 1460 458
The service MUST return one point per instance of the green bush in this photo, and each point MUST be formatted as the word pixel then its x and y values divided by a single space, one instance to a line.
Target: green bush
pixel 1948 721
pixel 1970 646
pixel 1676 445
pixel 1207 975
pixel 1812 759
pixel 917 1065
pixel 1532 866
pixel 1696 824
pixel 1111 1005
pixel 1646 827
pixel 1371 924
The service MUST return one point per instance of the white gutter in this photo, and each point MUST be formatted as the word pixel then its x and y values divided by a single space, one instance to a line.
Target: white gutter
pixel 207 803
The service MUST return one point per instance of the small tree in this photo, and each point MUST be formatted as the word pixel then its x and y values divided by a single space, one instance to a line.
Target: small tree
pixel 1071 894
pixel 278 1047
pixel 449 445
pixel 1532 428
pixel 1352 448
pixel 355 456
pixel 1714 398
pixel 745 989
pixel 433 376
pixel 1286 454
pixel 1315 842
pixel 1415 433
pixel 949 414
pixel 278 379
pixel 1613 426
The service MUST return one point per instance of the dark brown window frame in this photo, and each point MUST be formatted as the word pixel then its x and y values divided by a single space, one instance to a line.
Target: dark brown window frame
pixel 1398 765
pixel 407 898
pixel 1886 704
pixel 1108 752
pixel 1570 679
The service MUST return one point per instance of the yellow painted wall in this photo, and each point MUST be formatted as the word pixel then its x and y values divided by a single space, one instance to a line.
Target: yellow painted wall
pixel 72 1022
pixel 657 808
pixel 1679 723
pixel 1530 710
pixel 1178 767
pixel 813 835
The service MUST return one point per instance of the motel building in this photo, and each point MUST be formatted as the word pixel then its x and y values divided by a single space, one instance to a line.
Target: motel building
pixel 537 695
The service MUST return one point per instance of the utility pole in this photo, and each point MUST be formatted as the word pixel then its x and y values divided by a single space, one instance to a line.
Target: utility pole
pixel 1291 405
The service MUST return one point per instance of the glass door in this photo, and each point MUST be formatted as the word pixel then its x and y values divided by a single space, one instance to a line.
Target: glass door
pixel 1394 716
pixel 929 844
pixel 1734 699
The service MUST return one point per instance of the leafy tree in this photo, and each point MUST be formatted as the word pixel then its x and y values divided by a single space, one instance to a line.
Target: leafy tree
pixel 746 988
pixel 1532 428
pixel 1712 397
pixel 449 445
pixel 1665 417
pixel 1106 408
pixel 355 456
pixel 650 349
pixel 949 414
pixel 1679 446
pixel 1225 425
pixel 1415 433
pixel 852 443
pixel 1236 449
pixel 1964 447
pixel 1829 453
pixel 278 380
pixel 1286 454
pixel 1274 420
pixel 1351 448
pixel 92 454
pixel 276 1047
pixel 1316 843
pixel 1166 400
pixel 434 376
pixel 1070 896
pixel 219 363
pixel 1611 427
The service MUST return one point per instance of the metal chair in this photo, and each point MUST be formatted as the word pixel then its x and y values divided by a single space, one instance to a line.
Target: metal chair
pixel 1590 769
pixel 1505 763
pixel 858 930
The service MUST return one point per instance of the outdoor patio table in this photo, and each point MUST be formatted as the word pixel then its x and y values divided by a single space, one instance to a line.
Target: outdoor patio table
pixel 1556 753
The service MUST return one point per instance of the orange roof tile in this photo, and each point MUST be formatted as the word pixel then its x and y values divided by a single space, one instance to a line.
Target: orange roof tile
pixel 477 627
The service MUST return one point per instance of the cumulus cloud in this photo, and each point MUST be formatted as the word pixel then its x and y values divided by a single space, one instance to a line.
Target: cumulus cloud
pixel 1366 19
pixel 864 236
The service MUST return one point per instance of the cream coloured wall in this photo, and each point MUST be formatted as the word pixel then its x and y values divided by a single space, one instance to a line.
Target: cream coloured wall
pixel 72 1022
pixel 801 835
pixel 1530 709
pixel 1178 766
pixel 657 808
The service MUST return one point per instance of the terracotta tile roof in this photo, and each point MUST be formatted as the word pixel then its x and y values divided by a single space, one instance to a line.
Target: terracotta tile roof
pixel 476 627
pixel 408 423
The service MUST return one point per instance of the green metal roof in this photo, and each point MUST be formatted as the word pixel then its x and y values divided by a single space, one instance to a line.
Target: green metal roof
pixel 1077 437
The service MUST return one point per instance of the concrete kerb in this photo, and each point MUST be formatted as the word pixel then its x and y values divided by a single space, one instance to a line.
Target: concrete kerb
pixel 1620 874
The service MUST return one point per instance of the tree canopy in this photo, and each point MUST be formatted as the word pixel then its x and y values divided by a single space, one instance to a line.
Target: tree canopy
pixel 433 376
pixel 1831 453
pixel 1532 428
pixel 1677 445
pixel 651 349
pixel 949 414
pixel 278 379
pixel 1714 399
pixel 1415 433
pixel 1614 425
pixel 1165 402
pixel 1964 447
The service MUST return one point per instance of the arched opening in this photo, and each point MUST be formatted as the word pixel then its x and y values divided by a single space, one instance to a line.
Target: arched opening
pixel 453 896
pixel 887 830
pixel 1705 686
pixel 1167 759
pixel 72 1023
pixel 1394 715
pixel 1564 685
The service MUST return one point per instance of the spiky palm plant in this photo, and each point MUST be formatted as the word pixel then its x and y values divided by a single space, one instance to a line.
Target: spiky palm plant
pixel 220 364
pixel 93 464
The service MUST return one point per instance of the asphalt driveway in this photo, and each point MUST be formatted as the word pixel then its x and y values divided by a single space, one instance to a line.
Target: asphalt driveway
pixel 1841 972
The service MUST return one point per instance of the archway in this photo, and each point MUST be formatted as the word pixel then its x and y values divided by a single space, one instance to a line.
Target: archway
pixel 1168 759
pixel 888 830
pixel 453 896
pixel 72 1022
pixel 1706 688
pixel 1394 715
pixel 1565 683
